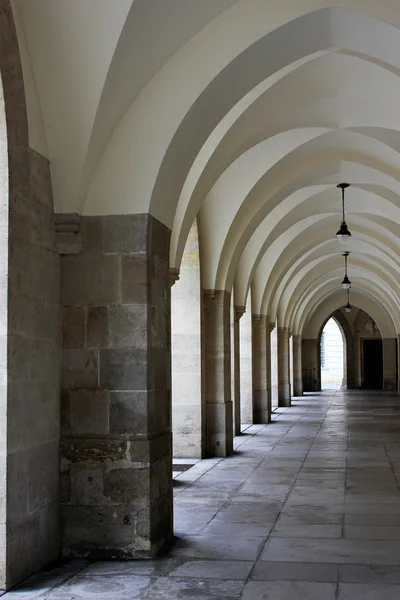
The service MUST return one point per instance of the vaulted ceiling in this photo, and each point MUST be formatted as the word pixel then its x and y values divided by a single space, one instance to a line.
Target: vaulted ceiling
pixel 245 113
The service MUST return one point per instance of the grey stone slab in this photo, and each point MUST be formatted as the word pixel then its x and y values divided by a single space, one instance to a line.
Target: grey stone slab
pixel 308 530
pixel 288 590
pixel 172 588
pixel 332 551
pixel 373 509
pixel 286 571
pixel 130 568
pixel 369 574
pixel 214 569
pixel 40 584
pixel 218 548
pixel 246 530
pixel 355 591
pixel 369 519
pixel 371 532
pixel 102 588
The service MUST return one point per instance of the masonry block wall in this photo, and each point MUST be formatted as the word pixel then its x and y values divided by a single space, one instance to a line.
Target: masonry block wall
pixel 33 377
pixel 116 437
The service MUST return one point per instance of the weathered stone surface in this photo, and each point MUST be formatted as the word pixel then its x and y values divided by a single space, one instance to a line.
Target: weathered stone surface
pixel 69 233
pixel 116 446
pixel 97 327
pixel 73 327
pixel 129 411
pixel 33 379
pixel 90 411
pixel 123 369
pixel 126 234
pixel 90 279
pixel 128 326
pixel 93 234
pixel 134 279
pixel 80 369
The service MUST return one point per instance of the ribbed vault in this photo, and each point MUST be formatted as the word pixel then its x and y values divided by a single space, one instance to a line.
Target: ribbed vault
pixel 249 129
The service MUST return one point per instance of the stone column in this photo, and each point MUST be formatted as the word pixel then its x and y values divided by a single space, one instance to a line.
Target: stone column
pixel 219 421
pixel 268 330
pixel 349 364
pixel 283 367
pixel 246 368
pixel 389 364
pixel 261 406
pixel 116 480
pixel 238 313
pixel 398 365
pixel 310 350
pixel 188 413
pixel 274 364
pixel 297 367
pixel 357 360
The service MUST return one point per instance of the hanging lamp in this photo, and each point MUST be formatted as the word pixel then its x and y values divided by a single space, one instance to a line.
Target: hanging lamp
pixel 343 234
pixel 348 306
pixel 346 283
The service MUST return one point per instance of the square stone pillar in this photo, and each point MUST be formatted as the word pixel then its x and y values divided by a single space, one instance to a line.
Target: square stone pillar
pixel 297 367
pixel 219 418
pixel 284 398
pixel 310 350
pixel 269 327
pixel 116 438
pixel 398 365
pixel 261 404
pixel 238 313
pixel 389 364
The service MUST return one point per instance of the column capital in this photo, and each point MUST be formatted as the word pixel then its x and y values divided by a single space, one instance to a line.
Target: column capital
pixel 173 275
pixel 271 327
pixel 239 312
pixel 68 228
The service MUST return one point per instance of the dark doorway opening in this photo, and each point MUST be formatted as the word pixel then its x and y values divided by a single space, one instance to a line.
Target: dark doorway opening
pixel 373 364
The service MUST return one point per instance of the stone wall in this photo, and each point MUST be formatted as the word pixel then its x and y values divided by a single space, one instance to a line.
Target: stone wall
pixel 116 408
pixel 33 378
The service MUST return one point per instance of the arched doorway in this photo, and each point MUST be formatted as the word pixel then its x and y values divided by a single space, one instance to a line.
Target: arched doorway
pixel 332 356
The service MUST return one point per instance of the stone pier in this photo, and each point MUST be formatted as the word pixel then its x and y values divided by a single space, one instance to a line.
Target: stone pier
pixel 297 367
pixel 261 404
pixel 116 480
pixel 219 418
pixel 284 398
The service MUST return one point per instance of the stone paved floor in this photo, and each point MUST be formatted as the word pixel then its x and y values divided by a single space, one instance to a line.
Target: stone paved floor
pixel 307 509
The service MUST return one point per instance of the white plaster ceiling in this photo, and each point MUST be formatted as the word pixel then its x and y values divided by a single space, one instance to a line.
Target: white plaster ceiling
pixel 246 113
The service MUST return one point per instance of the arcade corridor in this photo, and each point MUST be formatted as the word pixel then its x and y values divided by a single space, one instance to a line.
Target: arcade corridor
pixel 308 507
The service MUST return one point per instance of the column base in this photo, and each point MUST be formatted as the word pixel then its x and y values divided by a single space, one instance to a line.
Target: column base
pixel 219 438
pixel 116 497
pixel 298 388
pixel 389 384
pixel 284 395
pixel 261 409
